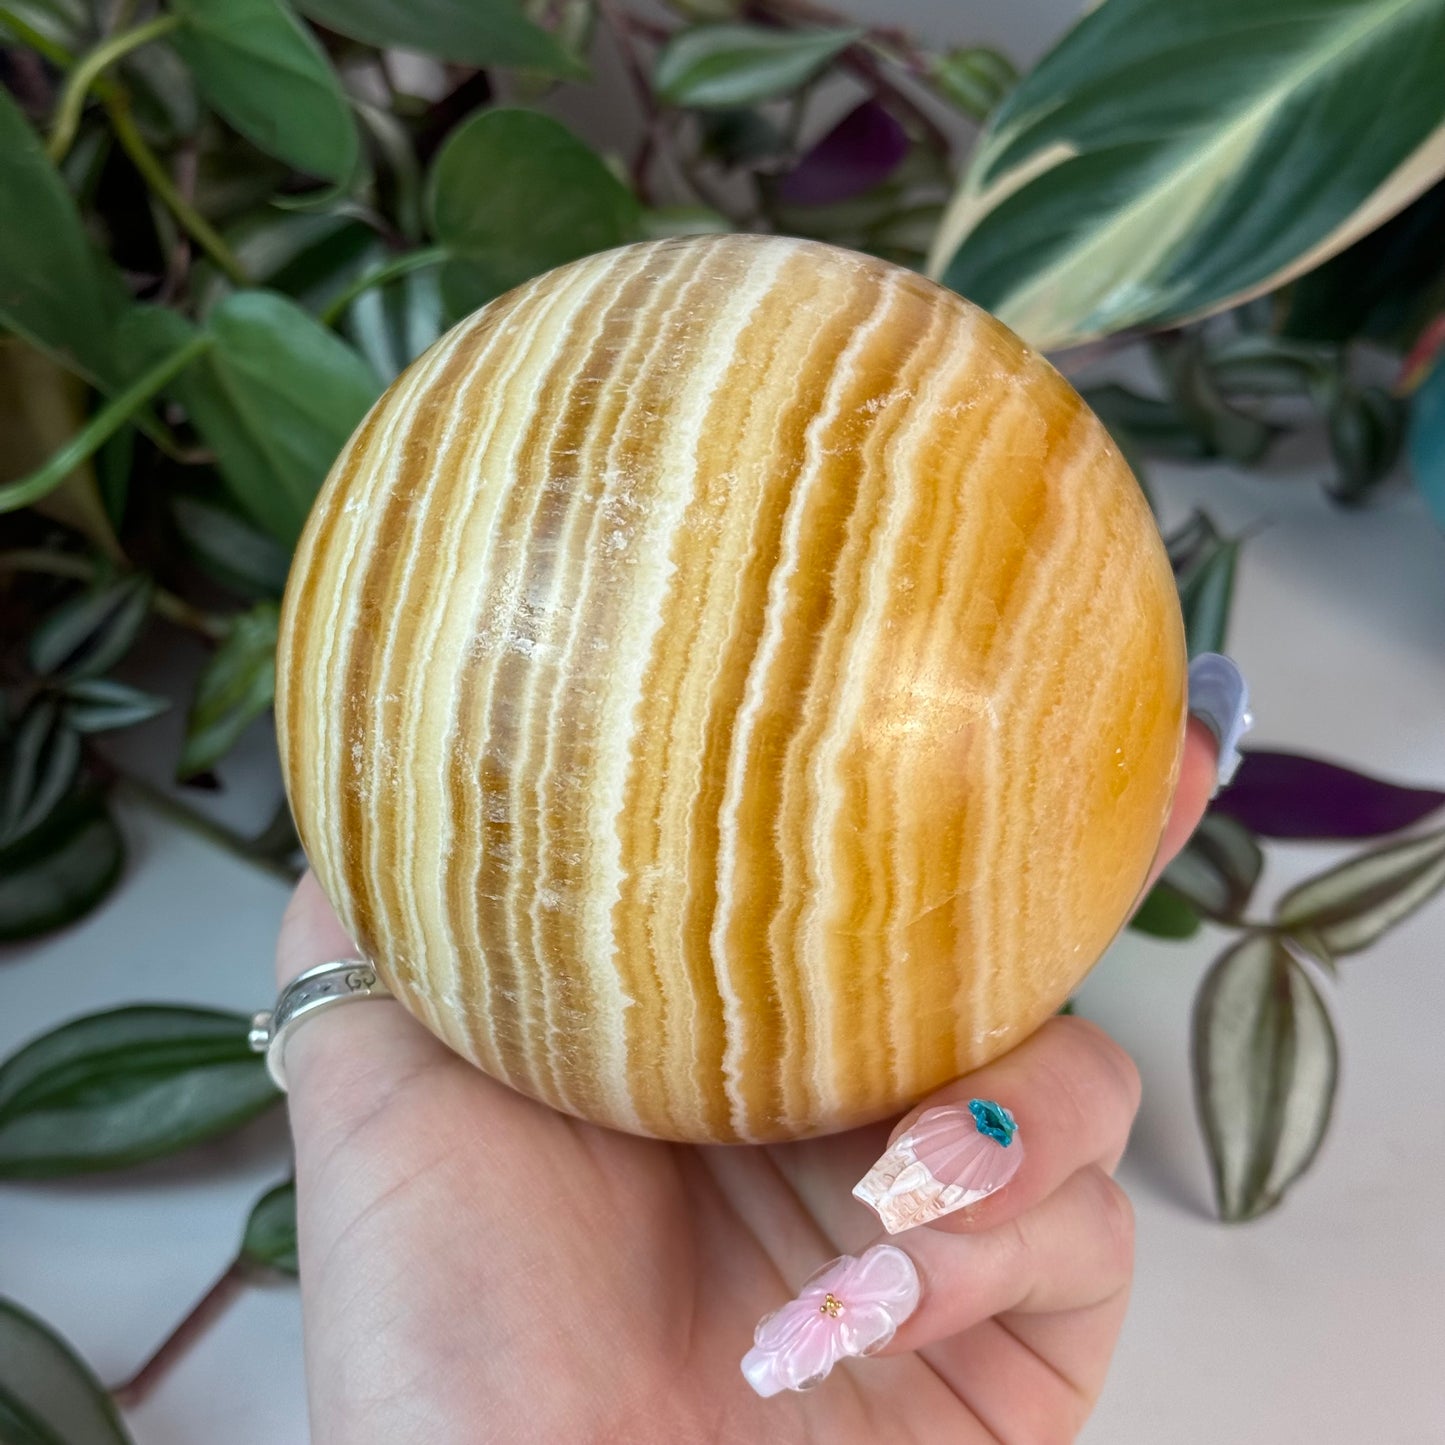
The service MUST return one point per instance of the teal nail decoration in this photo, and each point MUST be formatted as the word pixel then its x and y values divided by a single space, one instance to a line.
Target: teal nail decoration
pixel 994 1120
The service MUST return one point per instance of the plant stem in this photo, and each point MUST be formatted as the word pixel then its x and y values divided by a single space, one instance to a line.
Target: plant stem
pixel 104 424
pixel 148 164
pixel 209 625
pixel 244 849
pixel 208 1309
pixel 42 44
pixel 388 271
pixel 85 74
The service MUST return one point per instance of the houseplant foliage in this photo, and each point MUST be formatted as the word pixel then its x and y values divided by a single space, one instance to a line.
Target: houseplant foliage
pixel 227 224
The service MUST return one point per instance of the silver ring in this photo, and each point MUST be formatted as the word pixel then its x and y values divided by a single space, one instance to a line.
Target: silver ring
pixel 318 988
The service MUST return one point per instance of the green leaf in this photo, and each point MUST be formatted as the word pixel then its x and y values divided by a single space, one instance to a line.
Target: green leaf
pixel 265 73
pixel 1265 1068
pixel 1349 907
pixel 90 633
pixel 48 1395
pixel 228 546
pixel 58 870
pixel 116 1088
pixel 975 80
pixel 1257 364
pixel 101 704
pixel 1164 914
pixel 470 32
pixel 732 65
pixel 41 761
pixel 1150 422
pixel 1205 595
pixel 276 396
pixel 1217 869
pixel 238 684
pixel 270 1238
pixel 55 290
pixel 512 194
pixel 1165 161
pixel 1367 431
pixel 393 324
pixel 1225 431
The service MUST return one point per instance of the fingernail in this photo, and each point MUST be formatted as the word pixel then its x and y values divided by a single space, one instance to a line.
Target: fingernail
pixel 945 1160
pixel 1219 698
pixel 851 1307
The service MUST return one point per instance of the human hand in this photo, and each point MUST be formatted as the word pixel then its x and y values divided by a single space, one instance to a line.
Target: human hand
pixel 477 1267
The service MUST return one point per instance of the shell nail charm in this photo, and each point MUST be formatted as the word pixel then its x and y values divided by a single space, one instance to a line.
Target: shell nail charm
pixel 731 686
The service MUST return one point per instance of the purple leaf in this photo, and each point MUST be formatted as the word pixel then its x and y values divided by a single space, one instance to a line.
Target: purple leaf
pixel 1283 795
pixel 860 152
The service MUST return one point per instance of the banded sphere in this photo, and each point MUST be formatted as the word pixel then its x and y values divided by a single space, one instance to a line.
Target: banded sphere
pixel 731 686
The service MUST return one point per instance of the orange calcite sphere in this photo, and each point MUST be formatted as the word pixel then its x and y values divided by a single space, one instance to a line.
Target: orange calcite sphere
pixel 731 686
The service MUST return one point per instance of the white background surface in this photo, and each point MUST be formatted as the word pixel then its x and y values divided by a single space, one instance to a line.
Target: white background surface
pixel 1323 1324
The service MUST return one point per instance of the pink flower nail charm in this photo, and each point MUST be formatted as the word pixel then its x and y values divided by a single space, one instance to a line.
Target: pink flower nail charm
pixel 947 1159
pixel 852 1306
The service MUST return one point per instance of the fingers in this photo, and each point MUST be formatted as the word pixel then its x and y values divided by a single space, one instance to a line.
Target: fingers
pixel 1191 797
pixel 1070 1093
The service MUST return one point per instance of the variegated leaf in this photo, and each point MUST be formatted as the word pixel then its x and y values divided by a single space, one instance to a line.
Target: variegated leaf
pixel 1168 160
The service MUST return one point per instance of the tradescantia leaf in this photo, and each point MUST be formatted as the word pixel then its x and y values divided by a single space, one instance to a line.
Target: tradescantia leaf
pixel 91 632
pixel 1348 908
pixel 270 1238
pixel 731 65
pixel 116 1088
pixel 55 290
pixel 1366 430
pixel 860 152
pixel 471 32
pixel 101 704
pixel 265 73
pixel 1166 161
pixel 1285 795
pixel 512 194
pixel 59 869
pixel 1205 595
pixel 228 546
pixel 1164 914
pixel 38 765
pixel 1217 869
pixel 1266 1063
pixel 48 1396
pixel 975 80
pixel 1427 440
pixel 239 684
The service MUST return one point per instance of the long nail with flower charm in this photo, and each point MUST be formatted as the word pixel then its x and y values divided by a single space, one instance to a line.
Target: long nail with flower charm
pixel 947 1159
pixel 851 1307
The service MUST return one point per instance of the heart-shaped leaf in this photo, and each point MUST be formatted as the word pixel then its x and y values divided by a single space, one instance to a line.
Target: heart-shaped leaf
pixel 1427 439
pixel 1349 907
pixel 116 1088
pixel 1285 795
pixel 265 73
pixel 48 1396
pixel 60 869
pixel 731 65
pixel 91 632
pixel 55 290
pixel 270 1238
pixel 512 194
pixel 101 704
pixel 1135 177
pixel 1265 1068
pixel 238 684
pixel 1217 869
pixel 471 32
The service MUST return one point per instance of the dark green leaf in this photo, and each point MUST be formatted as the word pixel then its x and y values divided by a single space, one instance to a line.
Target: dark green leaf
pixel 1191 544
pixel 229 547
pixel 392 325
pixel 163 91
pixel 1217 869
pixel 1257 364
pixel 48 1396
pixel 1205 595
pixel 115 1088
pixel 471 32
pixel 90 633
pixel 512 194
pixel 59 870
pixel 41 760
pixel 975 80
pixel 1149 421
pixel 238 684
pixel 733 65
pixel 264 72
pixel 1349 907
pixel 739 137
pixel 97 705
pixel 1427 440
pixel 1225 431
pixel 54 289
pixel 1265 1068
pixel 1367 430
pixel 311 256
pixel 1164 914
pixel 270 1238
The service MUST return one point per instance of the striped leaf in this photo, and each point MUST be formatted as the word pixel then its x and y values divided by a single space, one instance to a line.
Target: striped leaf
pixel 1169 160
